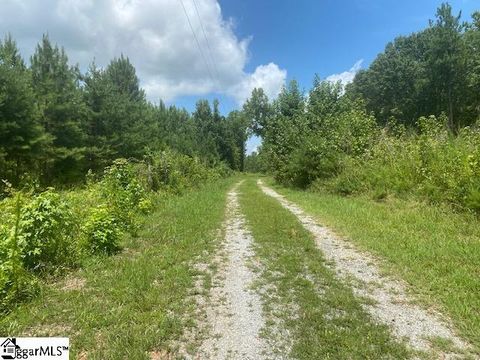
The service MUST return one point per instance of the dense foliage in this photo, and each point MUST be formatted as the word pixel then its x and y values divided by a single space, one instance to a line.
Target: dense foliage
pixel 409 124
pixel 44 231
pixel 430 72
pixel 57 123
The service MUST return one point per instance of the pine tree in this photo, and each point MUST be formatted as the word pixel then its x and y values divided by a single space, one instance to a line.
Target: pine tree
pixel 62 111
pixel 22 139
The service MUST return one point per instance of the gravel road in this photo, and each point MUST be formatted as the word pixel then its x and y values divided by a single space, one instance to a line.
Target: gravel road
pixel 390 303
pixel 235 311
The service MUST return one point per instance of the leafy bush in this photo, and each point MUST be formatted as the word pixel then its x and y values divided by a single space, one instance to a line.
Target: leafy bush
pixel 123 193
pixel 102 232
pixel 433 164
pixel 16 283
pixel 301 156
pixel 315 158
pixel 46 231
pixel 174 172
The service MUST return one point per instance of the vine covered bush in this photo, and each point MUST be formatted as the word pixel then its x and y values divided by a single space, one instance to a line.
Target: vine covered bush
pixel 174 172
pixel 16 282
pixel 45 231
pixel 123 193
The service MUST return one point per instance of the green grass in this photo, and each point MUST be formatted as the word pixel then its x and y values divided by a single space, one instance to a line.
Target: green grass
pixel 433 248
pixel 325 319
pixel 136 301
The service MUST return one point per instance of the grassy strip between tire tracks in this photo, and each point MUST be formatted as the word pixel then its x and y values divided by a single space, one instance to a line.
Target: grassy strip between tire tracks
pixel 321 313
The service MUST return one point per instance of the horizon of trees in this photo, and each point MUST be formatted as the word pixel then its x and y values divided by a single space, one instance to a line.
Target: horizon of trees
pixel 410 122
pixel 56 123
pixel 429 72
pixel 434 71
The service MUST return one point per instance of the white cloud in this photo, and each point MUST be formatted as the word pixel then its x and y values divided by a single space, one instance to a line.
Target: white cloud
pixel 269 77
pixel 154 34
pixel 346 77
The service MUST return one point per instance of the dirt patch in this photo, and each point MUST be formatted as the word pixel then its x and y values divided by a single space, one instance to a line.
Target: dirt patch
pixel 73 283
pixel 160 355
pixel 50 330
pixel 186 347
pixel 83 355
pixel 388 300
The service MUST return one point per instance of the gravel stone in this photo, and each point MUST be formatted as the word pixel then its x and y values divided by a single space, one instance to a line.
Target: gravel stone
pixel 235 311
pixel 390 303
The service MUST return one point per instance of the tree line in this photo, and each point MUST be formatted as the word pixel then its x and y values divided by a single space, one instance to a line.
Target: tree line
pixel 430 72
pixel 409 124
pixel 56 123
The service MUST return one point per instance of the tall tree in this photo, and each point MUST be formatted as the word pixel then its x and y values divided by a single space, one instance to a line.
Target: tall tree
pixel 445 60
pixel 97 90
pixel 395 83
pixel 122 122
pixel 235 136
pixel 62 111
pixel 324 99
pixel 206 130
pixel 425 73
pixel 472 44
pixel 290 101
pixel 22 139
pixel 123 77
pixel 257 108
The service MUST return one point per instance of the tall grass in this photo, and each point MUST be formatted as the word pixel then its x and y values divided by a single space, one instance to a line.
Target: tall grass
pixel 349 155
pixel 432 164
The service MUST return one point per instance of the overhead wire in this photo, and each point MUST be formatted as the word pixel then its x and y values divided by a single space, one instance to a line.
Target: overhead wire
pixel 215 68
pixel 196 40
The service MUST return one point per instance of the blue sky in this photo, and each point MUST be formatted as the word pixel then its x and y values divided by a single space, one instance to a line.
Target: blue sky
pixel 327 36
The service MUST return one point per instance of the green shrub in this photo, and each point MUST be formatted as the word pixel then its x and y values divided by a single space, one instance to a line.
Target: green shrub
pixel 47 232
pixel 123 193
pixel 433 164
pixel 102 232
pixel 314 159
pixel 145 206
pixel 300 153
pixel 50 231
pixel 348 181
pixel 173 172
pixel 16 284
pixel 220 171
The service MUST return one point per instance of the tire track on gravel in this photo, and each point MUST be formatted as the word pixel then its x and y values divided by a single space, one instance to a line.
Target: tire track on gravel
pixel 391 305
pixel 234 314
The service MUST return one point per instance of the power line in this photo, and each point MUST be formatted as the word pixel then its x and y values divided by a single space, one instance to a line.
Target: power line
pixel 196 40
pixel 206 40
